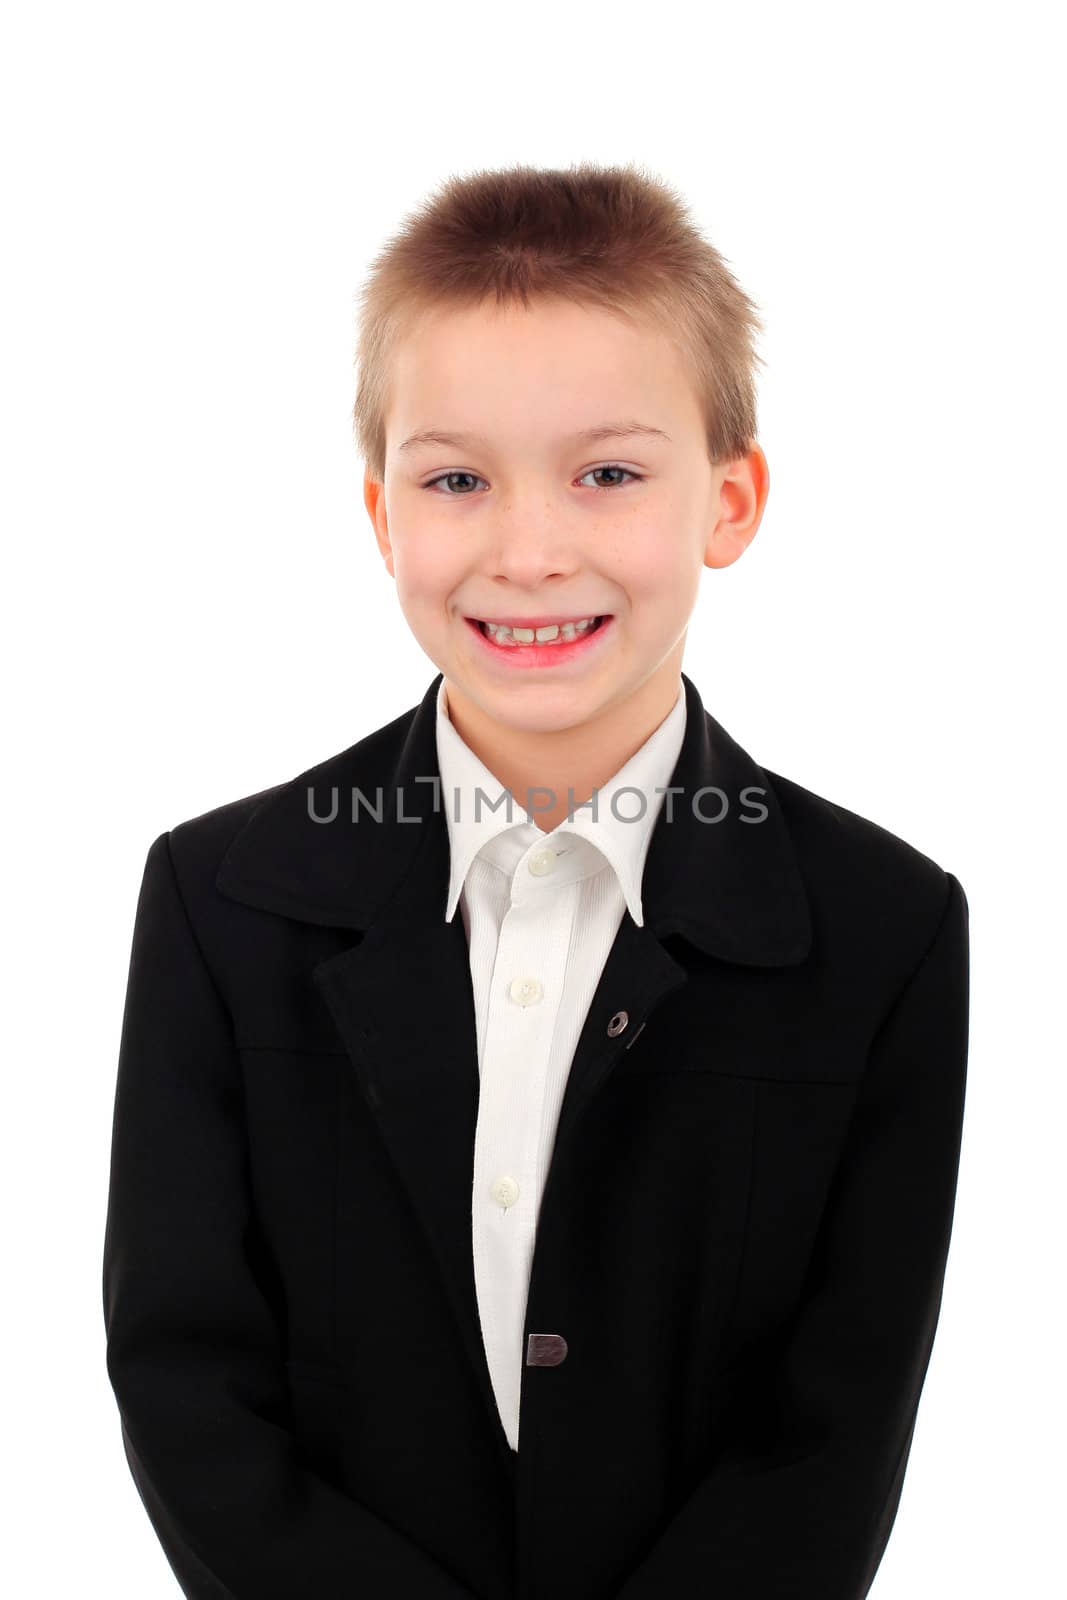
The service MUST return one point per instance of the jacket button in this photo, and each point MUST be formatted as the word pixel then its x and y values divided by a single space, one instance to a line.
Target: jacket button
pixel 545 1349
pixel 618 1022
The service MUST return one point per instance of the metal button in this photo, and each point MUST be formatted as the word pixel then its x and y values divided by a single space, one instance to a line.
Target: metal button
pixel 545 1349
pixel 618 1022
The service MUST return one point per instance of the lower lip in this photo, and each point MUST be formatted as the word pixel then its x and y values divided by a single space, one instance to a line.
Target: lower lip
pixel 541 655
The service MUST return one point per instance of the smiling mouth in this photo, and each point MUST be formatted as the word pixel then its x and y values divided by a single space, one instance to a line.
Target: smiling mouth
pixel 548 636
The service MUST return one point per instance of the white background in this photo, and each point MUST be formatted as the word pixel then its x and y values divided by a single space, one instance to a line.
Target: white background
pixel 195 608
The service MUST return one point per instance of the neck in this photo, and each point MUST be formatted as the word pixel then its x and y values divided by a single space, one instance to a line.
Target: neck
pixel 578 759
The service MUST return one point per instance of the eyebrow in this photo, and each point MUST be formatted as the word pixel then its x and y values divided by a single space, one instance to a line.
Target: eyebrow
pixel 603 430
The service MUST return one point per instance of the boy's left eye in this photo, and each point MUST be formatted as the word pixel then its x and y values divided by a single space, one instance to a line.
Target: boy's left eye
pixel 610 467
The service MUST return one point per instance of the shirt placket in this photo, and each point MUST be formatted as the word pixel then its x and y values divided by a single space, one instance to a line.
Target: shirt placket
pixel 526 992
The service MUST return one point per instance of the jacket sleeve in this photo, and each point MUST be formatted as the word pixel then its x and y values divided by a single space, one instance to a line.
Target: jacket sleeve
pixel 806 1510
pixel 194 1353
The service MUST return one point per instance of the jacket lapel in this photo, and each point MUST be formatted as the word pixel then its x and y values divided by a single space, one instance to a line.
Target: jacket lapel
pixel 401 998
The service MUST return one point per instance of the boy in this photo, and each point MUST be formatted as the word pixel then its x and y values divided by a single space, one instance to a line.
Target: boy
pixel 632 1109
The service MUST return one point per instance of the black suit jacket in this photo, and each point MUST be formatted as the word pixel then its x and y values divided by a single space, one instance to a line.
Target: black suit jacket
pixel 742 1237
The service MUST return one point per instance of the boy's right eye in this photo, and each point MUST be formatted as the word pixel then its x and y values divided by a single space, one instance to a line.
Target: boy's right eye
pixel 444 477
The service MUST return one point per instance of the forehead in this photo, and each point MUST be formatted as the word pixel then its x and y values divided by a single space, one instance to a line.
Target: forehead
pixel 488 361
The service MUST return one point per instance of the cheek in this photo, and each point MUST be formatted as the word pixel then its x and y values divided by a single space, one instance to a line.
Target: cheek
pixel 426 572
pixel 659 575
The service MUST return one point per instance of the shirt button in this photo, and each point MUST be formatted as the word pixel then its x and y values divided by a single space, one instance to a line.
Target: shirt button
pixel 505 1191
pixel 525 991
pixel 542 862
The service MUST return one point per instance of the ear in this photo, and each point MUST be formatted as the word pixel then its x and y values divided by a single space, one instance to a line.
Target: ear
pixel 374 500
pixel 743 488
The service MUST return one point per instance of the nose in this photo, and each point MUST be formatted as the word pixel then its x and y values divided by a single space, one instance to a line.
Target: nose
pixel 529 541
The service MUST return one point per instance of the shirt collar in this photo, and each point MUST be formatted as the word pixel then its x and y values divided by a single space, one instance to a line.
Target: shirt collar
pixel 502 835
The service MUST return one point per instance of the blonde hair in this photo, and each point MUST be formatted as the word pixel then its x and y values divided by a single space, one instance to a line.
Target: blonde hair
pixel 611 237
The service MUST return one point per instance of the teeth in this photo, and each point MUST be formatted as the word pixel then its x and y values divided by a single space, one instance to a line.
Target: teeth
pixel 553 633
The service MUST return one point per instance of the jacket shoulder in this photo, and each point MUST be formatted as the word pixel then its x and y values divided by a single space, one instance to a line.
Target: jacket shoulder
pixel 823 823
pixel 865 883
pixel 199 844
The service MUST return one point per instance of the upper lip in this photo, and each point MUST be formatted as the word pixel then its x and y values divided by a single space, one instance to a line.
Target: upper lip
pixel 539 622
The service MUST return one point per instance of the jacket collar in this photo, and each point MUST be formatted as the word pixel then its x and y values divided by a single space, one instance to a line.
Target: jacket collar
pixel 731 887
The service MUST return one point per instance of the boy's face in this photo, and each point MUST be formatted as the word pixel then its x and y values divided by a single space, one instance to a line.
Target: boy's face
pixel 521 518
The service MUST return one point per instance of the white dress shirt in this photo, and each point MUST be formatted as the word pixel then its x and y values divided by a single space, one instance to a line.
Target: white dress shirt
pixel 540 911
